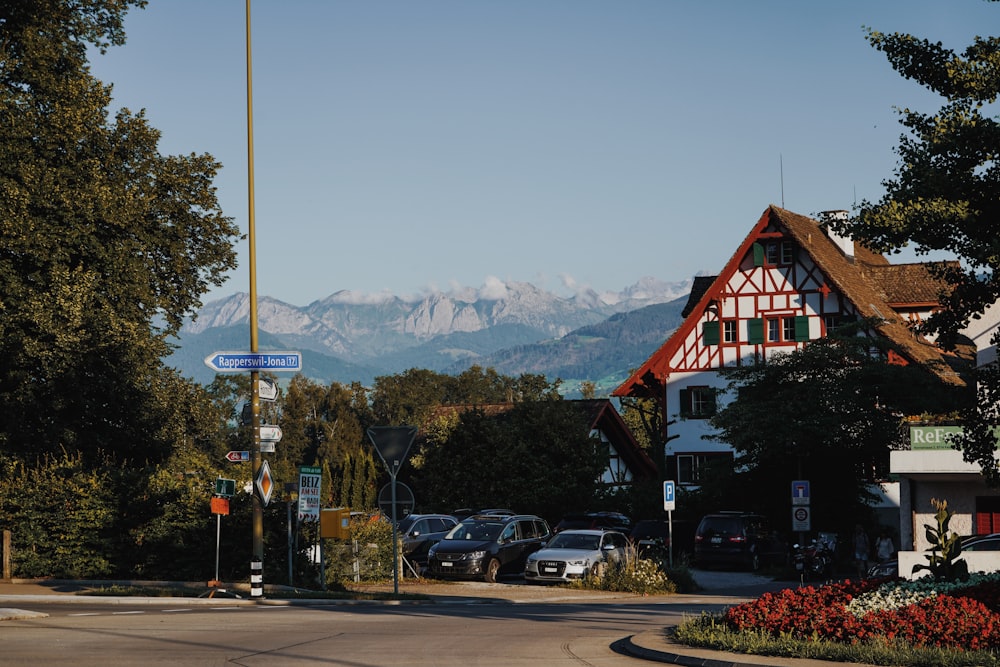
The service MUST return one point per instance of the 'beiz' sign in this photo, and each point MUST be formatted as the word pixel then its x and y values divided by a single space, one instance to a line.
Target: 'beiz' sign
pixel 310 479
pixel 932 437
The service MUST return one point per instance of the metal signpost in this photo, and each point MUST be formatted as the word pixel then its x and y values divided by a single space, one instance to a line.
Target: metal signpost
pixel 393 445
pixel 669 505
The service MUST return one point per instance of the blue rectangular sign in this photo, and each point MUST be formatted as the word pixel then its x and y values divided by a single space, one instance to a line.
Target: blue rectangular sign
pixel 236 362
pixel 669 502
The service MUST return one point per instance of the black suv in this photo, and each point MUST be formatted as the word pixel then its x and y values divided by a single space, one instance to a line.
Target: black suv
pixel 486 546
pixel 738 538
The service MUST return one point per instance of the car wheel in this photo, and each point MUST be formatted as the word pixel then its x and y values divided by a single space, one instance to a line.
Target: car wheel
pixel 492 570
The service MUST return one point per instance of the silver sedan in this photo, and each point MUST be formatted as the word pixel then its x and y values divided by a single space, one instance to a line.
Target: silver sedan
pixel 575 554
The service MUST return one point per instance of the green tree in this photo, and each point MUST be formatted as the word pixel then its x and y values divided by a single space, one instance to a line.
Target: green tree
pixel 943 197
pixel 106 244
pixel 829 412
pixel 537 457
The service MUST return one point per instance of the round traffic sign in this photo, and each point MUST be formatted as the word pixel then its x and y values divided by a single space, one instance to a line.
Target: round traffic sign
pixel 404 500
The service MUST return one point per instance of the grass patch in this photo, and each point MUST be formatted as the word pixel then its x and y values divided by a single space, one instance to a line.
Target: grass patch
pixel 708 631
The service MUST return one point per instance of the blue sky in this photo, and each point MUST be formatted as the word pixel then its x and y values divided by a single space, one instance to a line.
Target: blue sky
pixel 416 145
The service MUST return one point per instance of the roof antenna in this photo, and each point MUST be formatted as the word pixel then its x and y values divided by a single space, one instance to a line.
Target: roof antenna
pixel 781 170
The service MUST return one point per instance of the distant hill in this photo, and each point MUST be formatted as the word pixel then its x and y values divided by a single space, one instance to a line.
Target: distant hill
pixel 515 329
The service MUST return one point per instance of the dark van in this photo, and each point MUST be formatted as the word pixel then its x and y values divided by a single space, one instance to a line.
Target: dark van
pixel 738 538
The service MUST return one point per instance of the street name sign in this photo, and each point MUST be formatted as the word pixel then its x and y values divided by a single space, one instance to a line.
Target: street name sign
pixel 238 456
pixel 270 433
pixel 237 362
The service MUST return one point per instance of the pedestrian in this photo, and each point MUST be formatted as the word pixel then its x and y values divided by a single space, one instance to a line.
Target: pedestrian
pixel 862 549
pixel 884 548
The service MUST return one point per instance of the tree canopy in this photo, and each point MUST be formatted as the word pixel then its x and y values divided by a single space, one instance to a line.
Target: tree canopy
pixel 829 412
pixel 107 245
pixel 943 197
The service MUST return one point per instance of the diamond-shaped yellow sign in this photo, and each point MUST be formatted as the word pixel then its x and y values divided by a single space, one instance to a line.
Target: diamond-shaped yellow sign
pixel 265 485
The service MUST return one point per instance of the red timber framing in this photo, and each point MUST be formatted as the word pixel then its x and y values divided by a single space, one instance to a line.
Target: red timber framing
pixel 787 283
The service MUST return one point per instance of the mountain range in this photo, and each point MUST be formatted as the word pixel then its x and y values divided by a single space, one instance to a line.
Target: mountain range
pixel 513 327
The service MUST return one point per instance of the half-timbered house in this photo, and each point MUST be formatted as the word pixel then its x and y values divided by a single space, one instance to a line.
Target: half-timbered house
pixel 790 281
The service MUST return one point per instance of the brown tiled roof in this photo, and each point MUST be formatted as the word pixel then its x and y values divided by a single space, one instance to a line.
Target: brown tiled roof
pixel 852 279
pixel 867 280
pixel 906 283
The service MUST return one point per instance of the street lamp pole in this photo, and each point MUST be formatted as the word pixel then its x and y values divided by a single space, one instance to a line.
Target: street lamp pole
pixel 257 559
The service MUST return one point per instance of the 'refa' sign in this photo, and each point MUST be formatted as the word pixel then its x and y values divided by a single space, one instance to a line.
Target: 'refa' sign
pixel 309 493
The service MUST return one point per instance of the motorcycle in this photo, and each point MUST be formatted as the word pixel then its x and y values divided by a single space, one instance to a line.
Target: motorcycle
pixel 815 560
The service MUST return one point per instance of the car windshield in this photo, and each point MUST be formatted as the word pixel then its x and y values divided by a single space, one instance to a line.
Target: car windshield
pixel 575 541
pixel 475 530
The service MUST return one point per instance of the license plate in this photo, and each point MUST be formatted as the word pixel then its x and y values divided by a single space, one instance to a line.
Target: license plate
pixel 716 540
pixel 550 569
pixel 446 564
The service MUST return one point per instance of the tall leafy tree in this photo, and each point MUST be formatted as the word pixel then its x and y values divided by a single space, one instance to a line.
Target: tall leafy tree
pixel 537 457
pixel 829 413
pixel 943 197
pixel 105 243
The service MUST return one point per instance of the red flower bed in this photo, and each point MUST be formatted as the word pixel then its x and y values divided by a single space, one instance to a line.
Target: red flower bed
pixel 965 619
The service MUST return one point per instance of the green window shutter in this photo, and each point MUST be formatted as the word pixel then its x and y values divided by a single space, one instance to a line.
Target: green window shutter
pixel 755 330
pixel 758 254
pixel 685 403
pixel 710 333
pixel 801 328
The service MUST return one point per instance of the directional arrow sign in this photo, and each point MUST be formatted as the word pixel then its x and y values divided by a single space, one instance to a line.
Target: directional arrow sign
pixel 238 456
pixel 270 433
pixel 236 362
pixel 267 390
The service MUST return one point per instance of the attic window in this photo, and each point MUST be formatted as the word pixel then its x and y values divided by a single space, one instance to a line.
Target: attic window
pixel 775 253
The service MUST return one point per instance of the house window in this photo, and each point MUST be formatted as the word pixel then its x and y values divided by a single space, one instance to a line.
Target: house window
pixel 691 468
pixel 772 253
pixel 773 330
pixel 787 253
pixel 729 331
pixel 788 328
pixel 987 515
pixel 697 402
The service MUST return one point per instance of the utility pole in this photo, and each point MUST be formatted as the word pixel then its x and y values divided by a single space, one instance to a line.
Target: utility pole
pixel 257 559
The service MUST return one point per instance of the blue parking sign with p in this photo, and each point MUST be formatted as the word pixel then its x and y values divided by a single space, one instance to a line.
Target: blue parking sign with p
pixel 669 502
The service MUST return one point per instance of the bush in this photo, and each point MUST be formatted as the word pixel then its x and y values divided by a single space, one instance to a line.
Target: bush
pixel 367 556
pixel 635 576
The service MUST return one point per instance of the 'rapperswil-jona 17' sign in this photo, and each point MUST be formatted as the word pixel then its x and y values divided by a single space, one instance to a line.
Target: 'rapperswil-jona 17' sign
pixel 237 362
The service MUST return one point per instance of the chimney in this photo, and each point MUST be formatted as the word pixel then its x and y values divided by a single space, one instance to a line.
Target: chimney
pixel 845 243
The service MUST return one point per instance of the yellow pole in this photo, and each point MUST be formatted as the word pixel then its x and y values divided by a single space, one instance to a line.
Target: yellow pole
pixel 257 560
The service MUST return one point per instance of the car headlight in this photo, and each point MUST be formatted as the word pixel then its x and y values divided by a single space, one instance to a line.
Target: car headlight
pixel 476 555
pixel 581 562
pixel 532 558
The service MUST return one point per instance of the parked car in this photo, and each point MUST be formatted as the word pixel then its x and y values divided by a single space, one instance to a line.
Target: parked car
pixel 650 537
pixel 466 512
pixel 738 538
pixel 574 554
pixel 890 568
pixel 487 546
pixel 593 521
pixel 419 532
